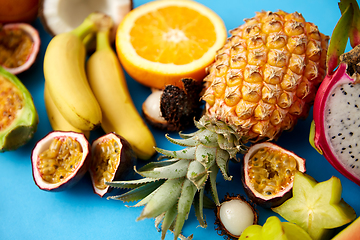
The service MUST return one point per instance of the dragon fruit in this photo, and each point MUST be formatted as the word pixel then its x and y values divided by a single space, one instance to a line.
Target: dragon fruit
pixel 336 126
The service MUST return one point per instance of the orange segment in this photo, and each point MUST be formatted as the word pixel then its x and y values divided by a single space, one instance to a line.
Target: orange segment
pixel 163 41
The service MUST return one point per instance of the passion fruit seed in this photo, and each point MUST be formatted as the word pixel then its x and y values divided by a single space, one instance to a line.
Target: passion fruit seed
pixel 105 161
pixel 271 170
pixel 15 47
pixel 60 159
pixel 11 101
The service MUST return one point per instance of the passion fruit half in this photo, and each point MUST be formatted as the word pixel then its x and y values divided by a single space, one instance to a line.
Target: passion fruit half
pixel 19 47
pixel 268 173
pixel 112 159
pixel 60 160
pixel 18 115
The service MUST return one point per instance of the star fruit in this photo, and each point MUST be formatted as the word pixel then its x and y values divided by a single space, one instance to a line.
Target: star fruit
pixel 274 229
pixel 316 207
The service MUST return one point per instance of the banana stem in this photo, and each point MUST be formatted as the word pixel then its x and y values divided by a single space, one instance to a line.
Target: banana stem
pixel 102 40
pixel 93 22
pixel 84 29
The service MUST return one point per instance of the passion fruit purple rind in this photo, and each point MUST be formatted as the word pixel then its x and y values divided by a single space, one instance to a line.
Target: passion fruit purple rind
pixel 268 173
pixel 112 160
pixel 18 115
pixel 60 160
pixel 19 47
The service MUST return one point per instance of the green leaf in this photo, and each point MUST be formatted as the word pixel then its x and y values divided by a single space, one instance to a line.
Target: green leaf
pixel 184 206
pixel 189 135
pixel 146 199
pixel 131 183
pixel 206 155
pixel 139 192
pixel 199 206
pixel 197 174
pixel 222 160
pixel 187 153
pixel 164 198
pixel 168 220
pixel 188 142
pixel 213 189
pixel 176 169
pixel 339 39
pixel 208 138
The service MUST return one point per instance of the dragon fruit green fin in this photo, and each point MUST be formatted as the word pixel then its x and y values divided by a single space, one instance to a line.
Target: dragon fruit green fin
pixel 354 33
pixel 338 41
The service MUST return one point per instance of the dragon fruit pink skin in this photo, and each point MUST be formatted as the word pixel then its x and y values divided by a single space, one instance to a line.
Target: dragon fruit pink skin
pixel 337 122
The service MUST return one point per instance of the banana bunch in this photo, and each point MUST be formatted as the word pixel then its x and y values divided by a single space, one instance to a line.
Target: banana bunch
pixel 80 100
pixel 108 83
pixel 65 76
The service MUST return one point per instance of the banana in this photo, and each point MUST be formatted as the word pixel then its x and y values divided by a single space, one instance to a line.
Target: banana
pixel 64 72
pixel 120 115
pixel 57 121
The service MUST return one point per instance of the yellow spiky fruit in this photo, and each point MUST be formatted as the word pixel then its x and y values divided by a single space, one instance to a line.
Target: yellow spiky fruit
pixel 266 75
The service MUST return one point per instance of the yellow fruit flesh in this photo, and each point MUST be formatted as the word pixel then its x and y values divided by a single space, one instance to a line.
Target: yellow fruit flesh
pixel 60 160
pixel 15 47
pixel 105 162
pixel 11 101
pixel 167 35
pixel 266 75
pixel 271 170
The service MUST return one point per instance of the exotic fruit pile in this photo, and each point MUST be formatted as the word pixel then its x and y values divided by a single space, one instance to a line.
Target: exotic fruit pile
pixel 266 75
pixel 263 80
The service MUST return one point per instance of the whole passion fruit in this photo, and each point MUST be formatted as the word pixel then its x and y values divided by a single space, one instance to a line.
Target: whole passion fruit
pixel 18 115
pixel 60 160
pixel 19 46
pixel 268 173
pixel 112 159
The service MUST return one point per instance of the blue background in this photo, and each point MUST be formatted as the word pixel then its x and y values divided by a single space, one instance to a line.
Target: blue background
pixel 26 212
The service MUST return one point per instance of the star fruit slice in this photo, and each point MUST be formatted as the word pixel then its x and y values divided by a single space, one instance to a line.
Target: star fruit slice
pixel 274 229
pixel 316 207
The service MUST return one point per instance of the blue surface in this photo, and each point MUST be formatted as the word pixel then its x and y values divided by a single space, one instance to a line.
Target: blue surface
pixel 26 212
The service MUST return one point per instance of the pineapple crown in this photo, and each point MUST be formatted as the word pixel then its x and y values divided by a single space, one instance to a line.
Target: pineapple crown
pixel 169 187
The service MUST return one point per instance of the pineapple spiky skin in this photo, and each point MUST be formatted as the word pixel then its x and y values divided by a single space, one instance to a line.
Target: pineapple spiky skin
pixel 265 77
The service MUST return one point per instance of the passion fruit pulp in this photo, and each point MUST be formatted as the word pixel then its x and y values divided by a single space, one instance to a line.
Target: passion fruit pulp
pixel 112 159
pixel 268 173
pixel 19 46
pixel 18 115
pixel 60 160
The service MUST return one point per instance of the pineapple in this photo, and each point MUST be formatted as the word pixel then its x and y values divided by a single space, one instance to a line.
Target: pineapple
pixel 263 79
pixel 266 75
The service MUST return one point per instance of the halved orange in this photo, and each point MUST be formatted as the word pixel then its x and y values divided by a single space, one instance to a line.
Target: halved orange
pixel 163 41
